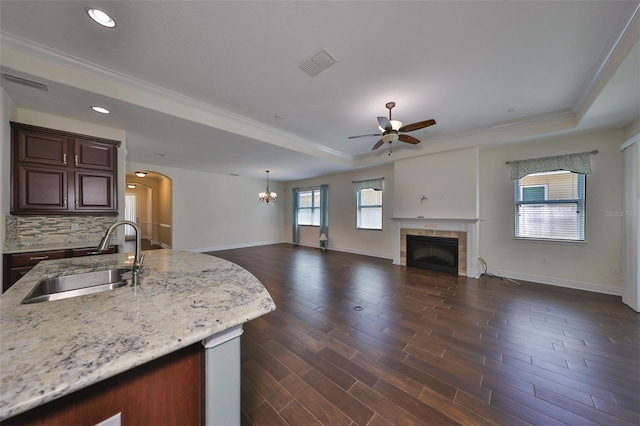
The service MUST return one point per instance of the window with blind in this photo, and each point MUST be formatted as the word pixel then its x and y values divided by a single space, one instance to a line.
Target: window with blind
pixel 369 208
pixel 550 206
pixel 309 207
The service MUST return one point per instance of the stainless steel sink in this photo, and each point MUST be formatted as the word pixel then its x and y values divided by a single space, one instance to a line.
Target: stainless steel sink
pixel 67 286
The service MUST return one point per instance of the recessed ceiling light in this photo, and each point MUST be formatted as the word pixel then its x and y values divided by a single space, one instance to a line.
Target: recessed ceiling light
pixel 131 186
pixel 159 155
pixel 101 18
pixel 101 110
pixel 141 174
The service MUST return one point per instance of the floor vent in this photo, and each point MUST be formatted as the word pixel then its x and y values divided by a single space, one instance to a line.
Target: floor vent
pixel 318 63
pixel 25 82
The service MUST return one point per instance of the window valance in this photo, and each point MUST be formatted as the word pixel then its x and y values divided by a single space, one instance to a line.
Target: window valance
pixel 375 184
pixel 577 163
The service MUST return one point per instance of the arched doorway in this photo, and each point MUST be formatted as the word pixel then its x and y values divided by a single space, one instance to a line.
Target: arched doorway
pixel 148 204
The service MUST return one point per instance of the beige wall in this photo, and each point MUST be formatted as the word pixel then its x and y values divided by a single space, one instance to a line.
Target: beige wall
pixel 164 212
pixel 211 211
pixel 448 180
pixel 582 265
pixel 154 207
pixel 343 234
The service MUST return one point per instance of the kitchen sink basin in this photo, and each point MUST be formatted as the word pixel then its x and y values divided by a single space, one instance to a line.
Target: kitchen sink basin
pixel 67 286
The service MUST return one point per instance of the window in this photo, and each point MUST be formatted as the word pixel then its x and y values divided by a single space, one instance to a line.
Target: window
pixel 550 206
pixel 309 207
pixel 369 208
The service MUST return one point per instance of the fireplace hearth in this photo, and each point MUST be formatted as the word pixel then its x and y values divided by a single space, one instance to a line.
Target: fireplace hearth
pixel 433 253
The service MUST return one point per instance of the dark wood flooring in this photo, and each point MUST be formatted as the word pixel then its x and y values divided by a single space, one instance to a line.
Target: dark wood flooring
pixel 429 348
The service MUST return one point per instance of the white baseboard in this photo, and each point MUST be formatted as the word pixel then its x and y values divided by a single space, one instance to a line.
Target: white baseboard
pixel 560 282
pixel 350 250
pixel 235 246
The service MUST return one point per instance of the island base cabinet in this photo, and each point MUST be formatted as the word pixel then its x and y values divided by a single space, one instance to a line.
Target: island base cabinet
pixel 166 391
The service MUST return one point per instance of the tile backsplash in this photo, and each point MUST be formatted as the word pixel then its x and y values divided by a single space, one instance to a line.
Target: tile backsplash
pixel 33 230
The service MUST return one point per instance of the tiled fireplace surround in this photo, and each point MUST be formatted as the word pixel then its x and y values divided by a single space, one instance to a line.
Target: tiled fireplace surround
pixel 464 230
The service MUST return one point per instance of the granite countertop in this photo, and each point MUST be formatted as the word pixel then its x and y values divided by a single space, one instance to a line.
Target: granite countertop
pixel 54 348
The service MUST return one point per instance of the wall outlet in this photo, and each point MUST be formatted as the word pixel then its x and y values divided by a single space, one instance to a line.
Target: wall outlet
pixel 615 269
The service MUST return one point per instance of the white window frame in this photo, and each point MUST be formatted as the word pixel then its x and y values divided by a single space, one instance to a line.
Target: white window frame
pixel 580 203
pixel 359 208
pixel 315 210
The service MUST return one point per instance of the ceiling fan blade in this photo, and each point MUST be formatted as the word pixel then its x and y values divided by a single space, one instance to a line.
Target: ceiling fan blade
pixel 364 136
pixel 416 126
pixel 408 139
pixel 377 145
pixel 384 123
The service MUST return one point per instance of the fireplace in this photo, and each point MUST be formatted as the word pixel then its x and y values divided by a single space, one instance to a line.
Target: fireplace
pixel 464 230
pixel 433 253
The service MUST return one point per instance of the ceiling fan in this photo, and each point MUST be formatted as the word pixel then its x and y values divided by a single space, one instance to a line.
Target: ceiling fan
pixel 392 129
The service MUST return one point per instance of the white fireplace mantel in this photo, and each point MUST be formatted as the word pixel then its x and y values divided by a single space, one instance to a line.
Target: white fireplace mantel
pixel 468 225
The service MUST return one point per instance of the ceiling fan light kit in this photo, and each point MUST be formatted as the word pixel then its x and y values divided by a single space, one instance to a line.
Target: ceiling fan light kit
pixel 390 137
pixel 392 129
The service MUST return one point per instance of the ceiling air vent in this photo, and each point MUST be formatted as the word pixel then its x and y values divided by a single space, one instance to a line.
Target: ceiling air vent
pixel 318 63
pixel 25 82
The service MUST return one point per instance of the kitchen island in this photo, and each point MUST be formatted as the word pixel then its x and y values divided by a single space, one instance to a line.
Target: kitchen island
pixel 52 349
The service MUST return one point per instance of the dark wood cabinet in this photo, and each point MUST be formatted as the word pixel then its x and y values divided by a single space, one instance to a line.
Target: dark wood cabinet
pixel 16 265
pixel 169 390
pixel 40 188
pixel 41 147
pixel 94 191
pixel 90 154
pixel 62 173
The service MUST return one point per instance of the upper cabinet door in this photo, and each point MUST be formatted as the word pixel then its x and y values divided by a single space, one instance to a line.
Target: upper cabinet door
pixel 95 192
pixel 42 148
pixel 42 189
pixel 94 155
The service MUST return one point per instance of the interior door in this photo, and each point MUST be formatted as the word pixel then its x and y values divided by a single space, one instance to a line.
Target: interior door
pixel 130 213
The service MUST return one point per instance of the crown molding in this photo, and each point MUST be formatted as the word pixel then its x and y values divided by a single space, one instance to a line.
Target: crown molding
pixel 609 64
pixel 40 51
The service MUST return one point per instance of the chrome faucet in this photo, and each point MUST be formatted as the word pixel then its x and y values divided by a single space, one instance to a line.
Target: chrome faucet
pixel 139 257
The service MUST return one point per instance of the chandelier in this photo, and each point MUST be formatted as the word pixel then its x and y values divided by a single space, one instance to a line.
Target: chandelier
pixel 267 197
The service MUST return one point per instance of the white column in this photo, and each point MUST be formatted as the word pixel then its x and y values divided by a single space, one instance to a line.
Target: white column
pixel 222 378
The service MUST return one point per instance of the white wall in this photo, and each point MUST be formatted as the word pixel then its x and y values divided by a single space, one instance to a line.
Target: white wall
pixel 7 112
pixel 215 212
pixel 343 234
pixel 449 181
pixel 586 266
